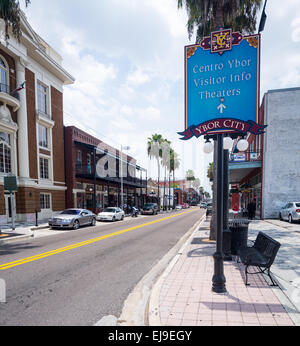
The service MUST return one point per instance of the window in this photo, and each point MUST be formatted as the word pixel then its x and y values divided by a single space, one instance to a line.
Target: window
pixel 89 161
pixel 43 136
pixel 3 76
pixel 45 201
pixel 79 159
pixel 5 153
pixel 42 92
pixel 44 168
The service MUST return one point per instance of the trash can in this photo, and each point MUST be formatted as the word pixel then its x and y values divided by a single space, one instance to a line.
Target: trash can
pixel 239 234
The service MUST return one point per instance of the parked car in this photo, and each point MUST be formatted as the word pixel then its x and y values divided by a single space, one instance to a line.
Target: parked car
pixel 73 218
pixel 111 214
pixel 209 209
pixel 185 206
pixel 150 208
pixel 203 205
pixel 178 207
pixel 290 212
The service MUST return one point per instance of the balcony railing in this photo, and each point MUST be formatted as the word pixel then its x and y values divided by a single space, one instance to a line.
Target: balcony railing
pixel 87 171
pixel 4 88
pixel 253 156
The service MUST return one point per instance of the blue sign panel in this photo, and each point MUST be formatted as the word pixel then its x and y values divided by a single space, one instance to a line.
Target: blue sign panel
pixel 222 85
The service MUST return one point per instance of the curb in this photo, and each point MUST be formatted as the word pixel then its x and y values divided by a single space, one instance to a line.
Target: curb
pixel 135 311
pixel 14 239
pixel 39 227
pixel 153 303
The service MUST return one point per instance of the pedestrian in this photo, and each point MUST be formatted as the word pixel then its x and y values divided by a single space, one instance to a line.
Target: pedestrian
pixel 235 211
pixel 251 210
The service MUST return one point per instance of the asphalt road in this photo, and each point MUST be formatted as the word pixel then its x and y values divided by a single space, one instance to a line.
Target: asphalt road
pixel 78 277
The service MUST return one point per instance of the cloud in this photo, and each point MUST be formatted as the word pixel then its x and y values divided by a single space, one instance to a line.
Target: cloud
pixel 137 78
pixel 296 30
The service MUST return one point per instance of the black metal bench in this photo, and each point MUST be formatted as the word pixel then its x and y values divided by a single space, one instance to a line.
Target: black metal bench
pixel 261 255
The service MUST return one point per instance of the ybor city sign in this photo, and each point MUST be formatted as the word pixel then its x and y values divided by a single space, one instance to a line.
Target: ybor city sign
pixel 222 85
pixel 224 125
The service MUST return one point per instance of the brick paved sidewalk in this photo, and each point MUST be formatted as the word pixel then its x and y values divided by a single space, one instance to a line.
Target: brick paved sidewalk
pixel 186 298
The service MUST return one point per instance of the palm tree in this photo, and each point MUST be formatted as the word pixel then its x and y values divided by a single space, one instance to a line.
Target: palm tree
pixel 155 151
pixel 165 162
pixel 210 171
pixel 209 15
pixel 174 165
pixel 10 12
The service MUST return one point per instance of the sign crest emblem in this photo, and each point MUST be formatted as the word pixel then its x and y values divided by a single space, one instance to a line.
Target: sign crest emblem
pixel 221 41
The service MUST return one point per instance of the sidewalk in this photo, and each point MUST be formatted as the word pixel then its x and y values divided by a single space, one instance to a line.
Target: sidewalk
pixel 183 297
pixel 23 231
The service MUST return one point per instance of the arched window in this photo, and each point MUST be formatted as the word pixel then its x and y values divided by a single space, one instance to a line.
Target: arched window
pixel 3 76
pixel 5 153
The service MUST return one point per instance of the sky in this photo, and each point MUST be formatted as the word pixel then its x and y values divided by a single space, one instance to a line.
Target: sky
pixel 127 57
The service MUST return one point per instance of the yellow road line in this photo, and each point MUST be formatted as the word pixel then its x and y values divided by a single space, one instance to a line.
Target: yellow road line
pixel 87 242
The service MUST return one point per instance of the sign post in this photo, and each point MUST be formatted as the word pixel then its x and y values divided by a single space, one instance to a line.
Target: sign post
pixel 222 78
pixel 10 185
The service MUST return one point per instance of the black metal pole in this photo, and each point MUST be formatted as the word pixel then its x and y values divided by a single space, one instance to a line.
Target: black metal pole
pixel 219 280
pixel 36 218
pixel 226 230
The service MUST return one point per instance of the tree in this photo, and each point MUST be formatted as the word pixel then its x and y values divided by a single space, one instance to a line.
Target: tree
pixel 207 194
pixel 196 184
pixel 154 150
pixel 10 12
pixel 174 165
pixel 210 171
pixel 210 15
pixel 165 162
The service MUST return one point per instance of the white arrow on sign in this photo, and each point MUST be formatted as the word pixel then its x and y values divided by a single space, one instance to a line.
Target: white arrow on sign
pixel 221 108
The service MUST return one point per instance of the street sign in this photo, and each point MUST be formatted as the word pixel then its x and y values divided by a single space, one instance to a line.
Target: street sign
pixel 10 184
pixel 222 77
pixel 239 157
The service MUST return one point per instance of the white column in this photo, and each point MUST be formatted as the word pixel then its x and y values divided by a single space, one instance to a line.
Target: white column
pixel 22 123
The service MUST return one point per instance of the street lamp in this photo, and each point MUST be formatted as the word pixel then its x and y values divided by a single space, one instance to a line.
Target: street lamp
pixel 243 145
pixel 208 147
pixel 228 143
pixel 121 173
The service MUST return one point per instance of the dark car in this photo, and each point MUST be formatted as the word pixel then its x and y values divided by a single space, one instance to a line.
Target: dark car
pixel 73 218
pixel 150 209
pixel 209 209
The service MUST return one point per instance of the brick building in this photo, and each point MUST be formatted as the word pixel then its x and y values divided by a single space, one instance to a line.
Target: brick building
pixel 30 119
pixel 93 174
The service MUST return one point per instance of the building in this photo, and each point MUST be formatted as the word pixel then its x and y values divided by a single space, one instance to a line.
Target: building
pixel 269 172
pixel 94 174
pixel 31 116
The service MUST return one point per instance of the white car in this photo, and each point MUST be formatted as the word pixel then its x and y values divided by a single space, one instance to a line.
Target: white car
pixel 111 214
pixel 178 207
pixel 290 212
